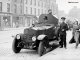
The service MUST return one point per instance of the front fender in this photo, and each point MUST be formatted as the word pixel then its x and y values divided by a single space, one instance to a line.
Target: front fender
pixel 41 37
pixel 21 36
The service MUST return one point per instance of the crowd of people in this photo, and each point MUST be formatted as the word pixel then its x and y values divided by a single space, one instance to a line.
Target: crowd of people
pixel 62 33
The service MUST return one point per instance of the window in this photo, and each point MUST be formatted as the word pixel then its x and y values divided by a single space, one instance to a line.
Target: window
pixel 0 6
pixel 31 10
pixel 38 11
pixel 0 21
pixel 45 11
pixel 35 11
pixel 45 5
pixel 21 1
pixel 15 0
pixel 26 10
pixel 21 9
pixel 38 3
pixel 42 4
pixel 26 1
pixel 30 2
pixel 35 2
pixel 42 11
pixel 8 7
pixel 15 8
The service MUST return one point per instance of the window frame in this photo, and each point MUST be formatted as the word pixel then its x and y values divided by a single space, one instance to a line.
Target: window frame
pixel 8 7
pixel 1 7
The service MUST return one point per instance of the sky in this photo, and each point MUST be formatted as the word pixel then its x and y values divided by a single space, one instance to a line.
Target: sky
pixel 64 5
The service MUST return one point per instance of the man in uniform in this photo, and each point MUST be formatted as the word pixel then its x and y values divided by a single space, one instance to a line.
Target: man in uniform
pixel 63 29
pixel 50 11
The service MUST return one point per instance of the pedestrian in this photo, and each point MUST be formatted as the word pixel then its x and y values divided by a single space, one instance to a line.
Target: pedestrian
pixel 76 33
pixel 62 32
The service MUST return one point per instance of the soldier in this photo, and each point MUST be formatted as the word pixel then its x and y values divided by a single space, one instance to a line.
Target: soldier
pixel 76 33
pixel 50 11
pixel 63 29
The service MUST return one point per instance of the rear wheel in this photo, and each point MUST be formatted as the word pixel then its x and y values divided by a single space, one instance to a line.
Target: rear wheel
pixel 41 49
pixel 15 47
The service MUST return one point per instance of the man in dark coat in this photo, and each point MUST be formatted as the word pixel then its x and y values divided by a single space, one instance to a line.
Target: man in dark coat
pixel 63 29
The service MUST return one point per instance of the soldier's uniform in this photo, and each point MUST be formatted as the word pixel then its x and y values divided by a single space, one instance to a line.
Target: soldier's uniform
pixel 63 29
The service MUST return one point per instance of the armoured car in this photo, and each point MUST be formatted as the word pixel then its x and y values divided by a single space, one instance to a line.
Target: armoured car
pixel 39 37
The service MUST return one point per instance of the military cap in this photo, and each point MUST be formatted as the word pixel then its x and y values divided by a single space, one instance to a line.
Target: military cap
pixel 49 10
pixel 63 18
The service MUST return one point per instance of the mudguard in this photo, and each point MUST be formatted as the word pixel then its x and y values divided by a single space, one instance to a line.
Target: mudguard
pixel 41 37
pixel 21 36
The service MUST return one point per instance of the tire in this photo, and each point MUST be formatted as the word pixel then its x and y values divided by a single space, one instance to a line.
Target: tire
pixel 14 46
pixel 41 49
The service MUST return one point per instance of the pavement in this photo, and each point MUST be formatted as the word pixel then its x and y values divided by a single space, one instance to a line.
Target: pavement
pixel 63 54
pixel 71 53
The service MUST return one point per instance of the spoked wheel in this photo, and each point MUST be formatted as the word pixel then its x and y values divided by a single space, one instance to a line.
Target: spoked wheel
pixel 41 49
pixel 15 47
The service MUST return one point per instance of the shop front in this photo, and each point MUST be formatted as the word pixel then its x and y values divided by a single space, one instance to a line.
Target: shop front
pixel 8 20
pixel 5 20
pixel 17 21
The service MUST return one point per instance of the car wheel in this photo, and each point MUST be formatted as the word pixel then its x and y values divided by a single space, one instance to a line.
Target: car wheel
pixel 41 49
pixel 15 47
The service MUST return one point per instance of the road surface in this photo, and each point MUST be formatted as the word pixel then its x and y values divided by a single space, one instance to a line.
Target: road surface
pixel 6 52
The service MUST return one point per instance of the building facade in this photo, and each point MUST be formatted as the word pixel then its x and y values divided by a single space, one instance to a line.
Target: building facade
pixel 38 7
pixel 17 13
pixel 11 13
pixel 33 8
pixel 5 13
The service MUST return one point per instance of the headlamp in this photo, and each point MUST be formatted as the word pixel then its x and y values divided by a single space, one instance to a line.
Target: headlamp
pixel 34 38
pixel 18 36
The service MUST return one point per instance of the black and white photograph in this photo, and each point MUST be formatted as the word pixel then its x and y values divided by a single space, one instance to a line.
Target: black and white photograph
pixel 39 29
